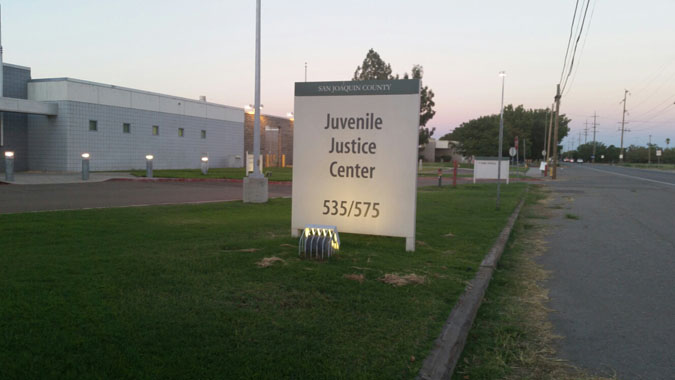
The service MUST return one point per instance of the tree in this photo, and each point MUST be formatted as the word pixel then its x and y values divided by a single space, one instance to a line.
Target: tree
pixel 480 137
pixel 375 68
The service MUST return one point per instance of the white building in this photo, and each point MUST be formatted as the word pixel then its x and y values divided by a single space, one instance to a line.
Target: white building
pixel 49 123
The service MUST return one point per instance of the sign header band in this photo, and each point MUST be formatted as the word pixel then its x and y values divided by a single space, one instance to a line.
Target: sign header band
pixel 365 87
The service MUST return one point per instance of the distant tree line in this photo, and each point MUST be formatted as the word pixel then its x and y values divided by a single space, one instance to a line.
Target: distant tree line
pixel 480 137
pixel 632 154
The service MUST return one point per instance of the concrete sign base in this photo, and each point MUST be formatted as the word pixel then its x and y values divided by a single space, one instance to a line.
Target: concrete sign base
pixel 255 190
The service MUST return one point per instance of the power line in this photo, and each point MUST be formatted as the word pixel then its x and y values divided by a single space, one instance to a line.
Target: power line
pixel 588 2
pixel 569 41
pixel 583 46
pixel 668 100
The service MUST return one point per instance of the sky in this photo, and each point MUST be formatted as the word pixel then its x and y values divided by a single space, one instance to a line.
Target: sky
pixel 203 47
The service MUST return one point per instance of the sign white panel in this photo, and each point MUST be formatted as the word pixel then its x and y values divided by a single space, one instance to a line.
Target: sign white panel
pixel 658 153
pixel 355 156
pixel 486 168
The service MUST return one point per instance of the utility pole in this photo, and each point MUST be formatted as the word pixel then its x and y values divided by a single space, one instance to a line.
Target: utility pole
pixel 579 141
pixel 305 71
pixel 623 122
pixel 550 131
pixel 524 158
pixel 543 147
pixel 555 133
pixel 585 133
pixel 649 149
pixel 595 116
pixel 502 74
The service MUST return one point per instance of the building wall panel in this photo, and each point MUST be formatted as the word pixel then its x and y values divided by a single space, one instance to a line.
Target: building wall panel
pixel 112 149
pixel 15 135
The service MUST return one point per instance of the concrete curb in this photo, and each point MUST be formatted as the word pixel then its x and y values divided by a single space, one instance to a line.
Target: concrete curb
pixel 441 361
pixel 233 180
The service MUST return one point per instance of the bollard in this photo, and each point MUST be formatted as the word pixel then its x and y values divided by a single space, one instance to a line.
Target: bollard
pixel 205 165
pixel 454 173
pixel 440 176
pixel 148 165
pixel 9 166
pixel 85 166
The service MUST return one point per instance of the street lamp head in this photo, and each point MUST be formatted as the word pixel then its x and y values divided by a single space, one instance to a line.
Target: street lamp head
pixel 250 108
pixel 502 74
pixel 149 157
pixel 85 156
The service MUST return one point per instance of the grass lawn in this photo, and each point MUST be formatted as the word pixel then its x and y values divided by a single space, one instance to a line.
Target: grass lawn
pixel 651 166
pixel 176 292
pixel 278 174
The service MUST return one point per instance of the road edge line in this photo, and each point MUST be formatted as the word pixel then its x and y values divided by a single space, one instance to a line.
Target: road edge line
pixel 441 361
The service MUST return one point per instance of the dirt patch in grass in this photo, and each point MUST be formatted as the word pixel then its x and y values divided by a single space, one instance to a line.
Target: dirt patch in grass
pixel 355 277
pixel 249 250
pixel 269 261
pixel 396 280
pixel 572 216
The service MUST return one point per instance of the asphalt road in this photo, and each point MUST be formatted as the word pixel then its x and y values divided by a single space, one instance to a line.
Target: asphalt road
pixel 613 270
pixel 26 198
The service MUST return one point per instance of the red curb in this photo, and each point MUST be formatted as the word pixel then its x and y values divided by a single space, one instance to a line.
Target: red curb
pixel 233 180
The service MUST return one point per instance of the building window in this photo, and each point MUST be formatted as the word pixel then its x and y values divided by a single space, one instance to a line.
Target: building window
pixel 126 128
pixel 181 132
pixel 155 130
pixel 93 125
pixel 203 134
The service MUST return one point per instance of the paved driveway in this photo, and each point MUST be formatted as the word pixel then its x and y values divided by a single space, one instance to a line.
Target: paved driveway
pixel 23 198
pixel 613 270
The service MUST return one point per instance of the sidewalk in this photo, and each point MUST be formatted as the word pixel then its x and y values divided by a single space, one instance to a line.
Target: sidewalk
pixel 534 172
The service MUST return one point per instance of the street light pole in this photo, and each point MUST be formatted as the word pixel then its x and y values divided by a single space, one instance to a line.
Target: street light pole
pixel 255 186
pixel 501 140
pixel 256 124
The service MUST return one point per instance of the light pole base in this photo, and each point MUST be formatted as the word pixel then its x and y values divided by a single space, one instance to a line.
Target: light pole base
pixel 255 190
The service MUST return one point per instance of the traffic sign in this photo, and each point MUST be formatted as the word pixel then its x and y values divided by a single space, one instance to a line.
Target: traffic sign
pixel 512 151
pixel 543 153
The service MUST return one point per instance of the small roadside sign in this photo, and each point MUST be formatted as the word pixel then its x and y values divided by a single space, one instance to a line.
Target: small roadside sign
pixel 658 153
pixel 512 151
pixel 543 153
